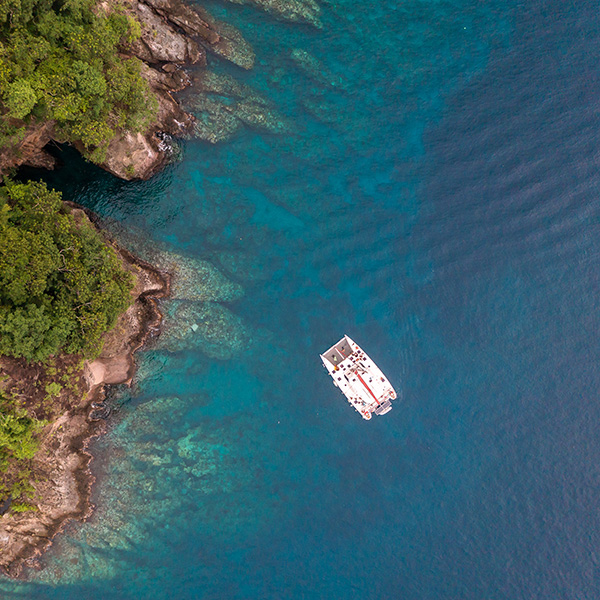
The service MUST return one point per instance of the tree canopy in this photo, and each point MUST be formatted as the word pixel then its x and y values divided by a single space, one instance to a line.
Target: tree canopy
pixel 59 60
pixel 61 285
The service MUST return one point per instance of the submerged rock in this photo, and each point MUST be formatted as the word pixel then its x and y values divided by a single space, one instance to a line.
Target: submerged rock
pixel 191 278
pixel 302 11
pixel 214 121
pixel 210 82
pixel 323 109
pixel 260 116
pixel 224 105
pixel 207 326
pixel 197 279
pixel 201 459
pixel 316 70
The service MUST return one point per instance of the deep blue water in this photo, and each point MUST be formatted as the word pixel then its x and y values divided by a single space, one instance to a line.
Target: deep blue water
pixel 442 211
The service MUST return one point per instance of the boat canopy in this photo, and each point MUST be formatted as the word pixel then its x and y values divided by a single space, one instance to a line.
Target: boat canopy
pixel 336 354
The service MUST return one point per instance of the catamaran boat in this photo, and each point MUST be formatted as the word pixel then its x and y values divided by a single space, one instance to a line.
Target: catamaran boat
pixel 359 378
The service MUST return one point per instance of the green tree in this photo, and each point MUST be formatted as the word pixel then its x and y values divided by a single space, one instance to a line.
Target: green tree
pixel 18 435
pixel 90 78
pixel 61 286
pixel 20 98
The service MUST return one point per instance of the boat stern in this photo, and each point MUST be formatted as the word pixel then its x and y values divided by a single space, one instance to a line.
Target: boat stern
pixel 383 408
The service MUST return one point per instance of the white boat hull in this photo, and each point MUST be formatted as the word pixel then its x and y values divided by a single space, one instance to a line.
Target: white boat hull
pixel 366 388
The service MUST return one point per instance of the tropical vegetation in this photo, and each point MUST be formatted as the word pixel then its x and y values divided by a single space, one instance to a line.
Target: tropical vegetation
pixel 61 285
pixel 60 61
pixel 19 441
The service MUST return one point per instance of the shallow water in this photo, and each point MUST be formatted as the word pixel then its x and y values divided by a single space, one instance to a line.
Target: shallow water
pixel 438 203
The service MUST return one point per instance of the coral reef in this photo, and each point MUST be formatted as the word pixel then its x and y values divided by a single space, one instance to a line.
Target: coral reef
pixel 222 105
pixel 197 279
pixel 302 11
pixel 214 120
pixel 155 461
pixel 207 326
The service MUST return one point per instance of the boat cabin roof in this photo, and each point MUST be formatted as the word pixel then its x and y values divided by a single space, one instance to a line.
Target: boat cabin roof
pixel 338 353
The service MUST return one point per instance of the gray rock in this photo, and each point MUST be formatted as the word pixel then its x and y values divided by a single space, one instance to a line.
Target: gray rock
pixel 219 38
pixel 160 42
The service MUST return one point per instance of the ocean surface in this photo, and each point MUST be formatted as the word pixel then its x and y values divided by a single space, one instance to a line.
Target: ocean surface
pixel 436 196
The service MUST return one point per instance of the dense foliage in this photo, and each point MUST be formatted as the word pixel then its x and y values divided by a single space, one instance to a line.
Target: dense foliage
pixel 18 444
pixel 61 286
pixel 59 60
pixel 17 434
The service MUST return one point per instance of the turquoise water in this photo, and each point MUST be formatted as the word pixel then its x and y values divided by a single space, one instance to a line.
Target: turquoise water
pixel 432 192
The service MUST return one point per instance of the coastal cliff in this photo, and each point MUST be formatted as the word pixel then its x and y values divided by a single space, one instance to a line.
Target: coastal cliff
pixel 102 75
pixel 60 479
pixel 172 35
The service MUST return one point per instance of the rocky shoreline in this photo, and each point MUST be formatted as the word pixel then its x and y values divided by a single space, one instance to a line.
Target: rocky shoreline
pixel 175 36
pixel 63 479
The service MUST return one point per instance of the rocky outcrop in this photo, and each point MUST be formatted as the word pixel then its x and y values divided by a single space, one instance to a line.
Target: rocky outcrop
pixel 160 41
pixel 217 37
pixel 172 35
pixel 30 149
pixel 138 156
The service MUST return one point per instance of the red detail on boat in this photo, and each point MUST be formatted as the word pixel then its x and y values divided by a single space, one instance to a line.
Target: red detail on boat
pixel 368 388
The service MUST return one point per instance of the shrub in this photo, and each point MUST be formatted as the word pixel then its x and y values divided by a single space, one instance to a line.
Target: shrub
pixel 19 441
pixel 20 98
pixel 53 389
pixel 20 507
